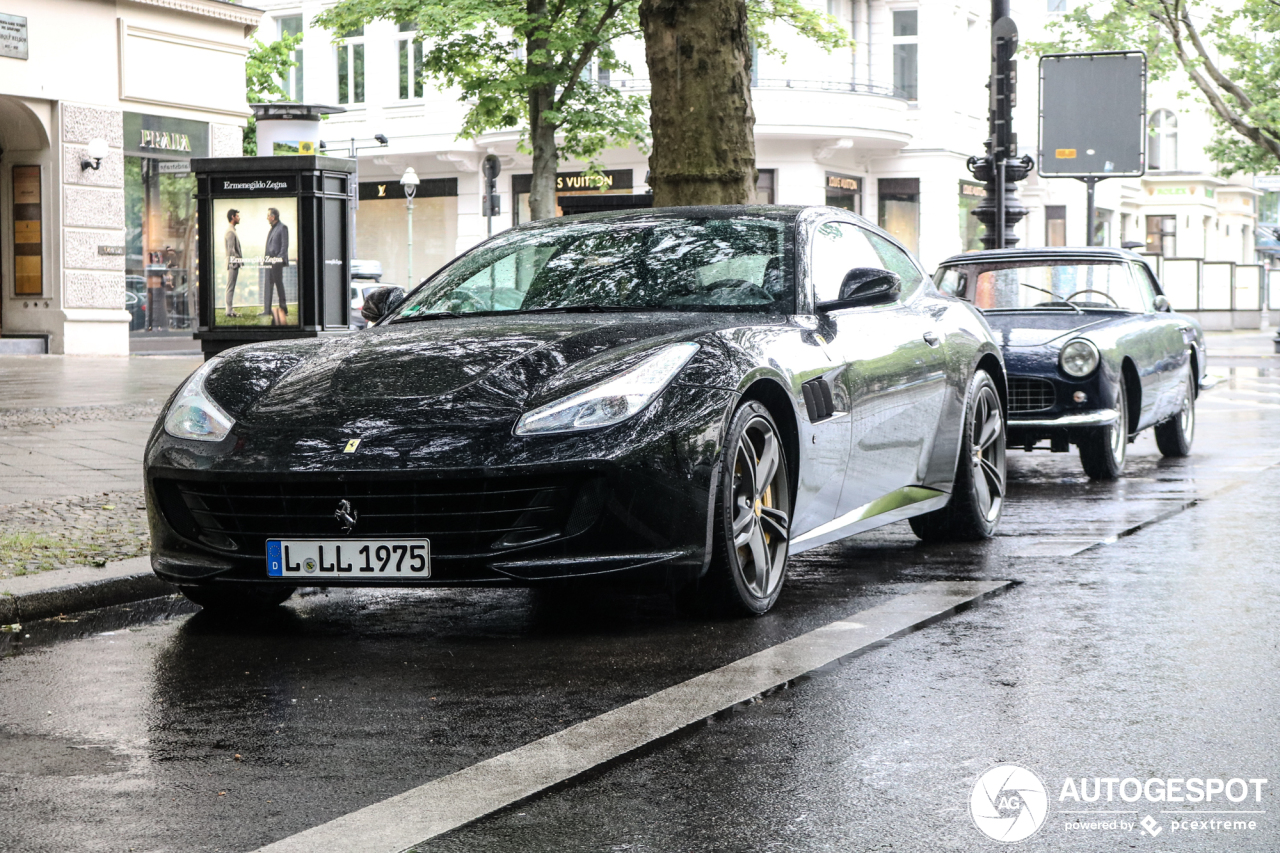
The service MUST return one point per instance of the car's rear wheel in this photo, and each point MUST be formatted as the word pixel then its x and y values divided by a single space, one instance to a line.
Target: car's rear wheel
pixel 752 517
pixel 1175 435
pixel 1103 450
pixel 977 494
pixel 237 599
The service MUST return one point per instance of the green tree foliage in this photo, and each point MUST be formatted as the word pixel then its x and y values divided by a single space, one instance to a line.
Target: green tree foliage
pixel 1235 70
pixel 264 69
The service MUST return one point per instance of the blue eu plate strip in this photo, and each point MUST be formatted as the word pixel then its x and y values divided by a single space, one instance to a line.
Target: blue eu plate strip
pixel 275 562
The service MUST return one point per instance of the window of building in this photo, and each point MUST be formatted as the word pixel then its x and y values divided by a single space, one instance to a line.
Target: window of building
pixel 844 191
pixel 410 50
pixel 1057 5
pixel 1269 208
pixel 971 228
pixel 351 68
pixel 1101 227
pixel 1161 233
pixel 905 47
pixel 1055 225
pixel 291 26
pixel 764 186
pixel 900 209
pixel 1162 141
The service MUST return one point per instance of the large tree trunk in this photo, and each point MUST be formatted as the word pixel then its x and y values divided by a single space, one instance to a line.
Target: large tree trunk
pixel 542 138
pixel 699 61
pixel 542 134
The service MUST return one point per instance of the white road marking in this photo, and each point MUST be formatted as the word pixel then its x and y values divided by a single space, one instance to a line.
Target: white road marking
pixel 449 802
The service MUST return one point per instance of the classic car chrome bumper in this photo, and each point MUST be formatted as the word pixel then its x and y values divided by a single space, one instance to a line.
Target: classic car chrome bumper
pixel 1099 418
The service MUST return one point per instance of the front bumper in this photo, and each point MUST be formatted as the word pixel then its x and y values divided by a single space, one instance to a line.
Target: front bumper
pixel 499 509
pixel 1098 418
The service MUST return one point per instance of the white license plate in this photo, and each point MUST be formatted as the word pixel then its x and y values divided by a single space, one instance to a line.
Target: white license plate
pixel 349 559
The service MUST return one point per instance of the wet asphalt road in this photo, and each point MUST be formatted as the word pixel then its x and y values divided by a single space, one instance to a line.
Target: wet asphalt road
pixel 1138 641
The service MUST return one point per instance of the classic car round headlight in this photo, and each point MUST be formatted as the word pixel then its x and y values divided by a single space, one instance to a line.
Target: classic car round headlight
pixel 1079 358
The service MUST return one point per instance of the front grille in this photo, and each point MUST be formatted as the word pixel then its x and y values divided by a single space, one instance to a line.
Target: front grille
pixel 1030 395
pixel 460 517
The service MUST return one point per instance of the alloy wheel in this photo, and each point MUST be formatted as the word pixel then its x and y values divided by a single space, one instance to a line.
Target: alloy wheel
pixel 761 508
pixel 988 453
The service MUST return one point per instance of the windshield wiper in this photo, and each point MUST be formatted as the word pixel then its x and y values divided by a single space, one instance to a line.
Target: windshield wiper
pixel 431 315
pixel 1055 300
pixel 582 309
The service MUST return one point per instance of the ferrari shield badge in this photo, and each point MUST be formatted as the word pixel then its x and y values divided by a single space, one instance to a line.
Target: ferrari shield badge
pixel 351 446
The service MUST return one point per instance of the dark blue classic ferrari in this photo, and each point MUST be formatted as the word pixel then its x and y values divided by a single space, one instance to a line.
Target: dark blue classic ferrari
pixel 1093 350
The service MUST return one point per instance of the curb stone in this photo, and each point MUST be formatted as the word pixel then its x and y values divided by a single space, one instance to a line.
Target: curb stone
pixel 61 591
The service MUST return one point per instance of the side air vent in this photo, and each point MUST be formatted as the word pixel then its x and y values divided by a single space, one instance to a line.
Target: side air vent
pixel 818 400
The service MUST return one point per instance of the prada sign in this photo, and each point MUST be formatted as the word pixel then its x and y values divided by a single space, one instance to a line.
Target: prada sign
pixel 166 138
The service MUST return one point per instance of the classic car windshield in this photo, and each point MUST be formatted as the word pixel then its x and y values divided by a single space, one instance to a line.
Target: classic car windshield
pixel 687 264
pixel 1084 285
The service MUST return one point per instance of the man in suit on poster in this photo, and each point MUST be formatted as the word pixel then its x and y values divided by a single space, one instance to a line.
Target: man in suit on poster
pixel 232 242
pixel 276 258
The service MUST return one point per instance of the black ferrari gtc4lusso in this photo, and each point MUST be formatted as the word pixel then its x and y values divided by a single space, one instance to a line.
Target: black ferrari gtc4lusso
pixel 688 395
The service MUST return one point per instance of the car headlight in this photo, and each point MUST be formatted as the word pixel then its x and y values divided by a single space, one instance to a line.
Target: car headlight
pixel 1079 357
pixel 612 401
pixel 194 415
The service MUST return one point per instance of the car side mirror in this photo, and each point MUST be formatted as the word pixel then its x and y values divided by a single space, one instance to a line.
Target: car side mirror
pixel 1161 303
pixel 381 302
pixel 865 286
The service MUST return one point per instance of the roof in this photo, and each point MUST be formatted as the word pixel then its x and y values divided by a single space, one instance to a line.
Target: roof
pixel 1103 253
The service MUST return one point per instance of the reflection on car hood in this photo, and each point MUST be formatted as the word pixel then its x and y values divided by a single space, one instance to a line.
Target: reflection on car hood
pixel 441 371
pixel 1038 327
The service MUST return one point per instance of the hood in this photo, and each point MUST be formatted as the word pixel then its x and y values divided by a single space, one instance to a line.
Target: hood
pixel 1040 327
pixel 461 370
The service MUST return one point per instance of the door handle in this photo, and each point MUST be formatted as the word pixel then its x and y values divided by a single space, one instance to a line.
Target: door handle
pixel 931 339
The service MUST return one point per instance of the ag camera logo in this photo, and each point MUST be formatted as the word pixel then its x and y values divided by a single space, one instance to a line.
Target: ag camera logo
pixel 1008 803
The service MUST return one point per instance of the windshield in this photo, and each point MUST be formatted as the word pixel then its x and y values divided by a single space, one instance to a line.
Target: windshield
pixel 1063 286
pixel 695 264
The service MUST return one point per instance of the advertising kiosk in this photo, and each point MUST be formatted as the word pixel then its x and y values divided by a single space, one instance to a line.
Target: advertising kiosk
pixel 274 247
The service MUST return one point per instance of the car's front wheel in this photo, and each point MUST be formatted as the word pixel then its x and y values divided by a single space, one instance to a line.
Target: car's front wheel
pixel 1175 435
pixel 752 524
pixel 1103 450
pixel 977 494
pixel 237 599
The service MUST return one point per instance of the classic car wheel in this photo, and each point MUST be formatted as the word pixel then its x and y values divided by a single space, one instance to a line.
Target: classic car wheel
pixel 239 599
pixel 1103 450
pixel 753 516
pixel 1175 435
pixel 977 495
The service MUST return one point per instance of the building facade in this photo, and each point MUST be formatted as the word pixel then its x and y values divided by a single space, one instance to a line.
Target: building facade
pixel 96 251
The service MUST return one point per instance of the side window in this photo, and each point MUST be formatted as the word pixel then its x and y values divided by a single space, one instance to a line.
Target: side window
pixel 1143 282
pixel 837 248
pixel 952 282
pixel 896 260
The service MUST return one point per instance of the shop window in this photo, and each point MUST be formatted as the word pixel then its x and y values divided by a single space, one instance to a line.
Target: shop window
pixel 291 26
pixel 844 191
pixel 410 49
pixel 28 244
pixel 1055 225
pixel 905 56
pixel 1162 141
pixel 1161 235
pixel 764 186
pixel 1269 208
pixel 351 68
pixel 900 210
pixel 971 228
pixel 160 245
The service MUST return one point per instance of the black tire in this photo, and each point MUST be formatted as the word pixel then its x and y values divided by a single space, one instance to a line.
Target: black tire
pixel 1103 449
pixel 1175 435
pixel 977 493
pixel 751 527
pixel 237 599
